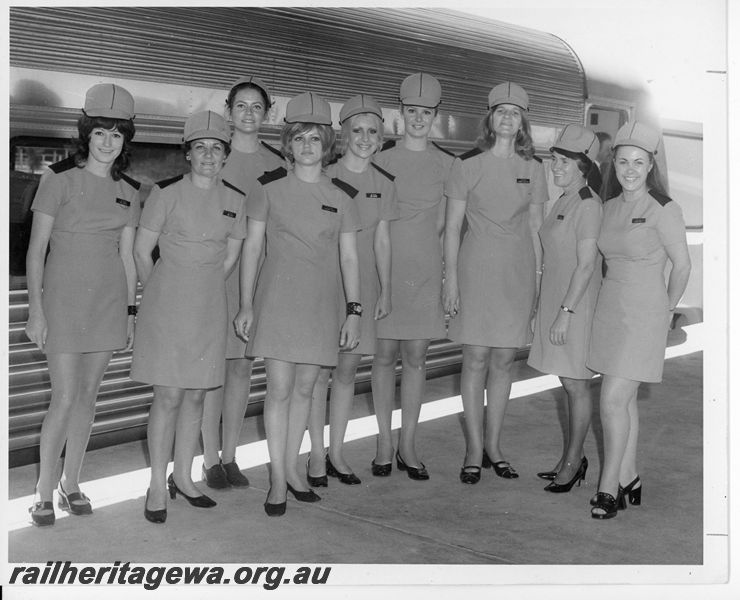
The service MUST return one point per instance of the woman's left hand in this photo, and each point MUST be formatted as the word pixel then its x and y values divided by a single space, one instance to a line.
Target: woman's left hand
pixel 130 326
pixel 382 306
pixel 349 336
pixel 559 329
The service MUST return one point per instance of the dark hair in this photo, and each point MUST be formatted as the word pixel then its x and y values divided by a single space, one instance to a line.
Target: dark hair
pixel 326 133
pixel 523 145
pixel 246 86
pixel 611 188
pixel 603 135
pixel 125 127
pixel 186 147
pixel 582 161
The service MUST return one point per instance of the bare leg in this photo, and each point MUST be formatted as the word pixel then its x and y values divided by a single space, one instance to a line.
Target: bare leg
pixel 342 395
pixel 628 468
pixel 616 394
pixel 316 423
pixel 497 394
pixel 163 415
pixel 236 396
pixel 280 378
pixel 300 406
pixel 413 379
pixel 472 384
pixel 212 408
pixel 578 392
pixel 187 430
pixel 384 393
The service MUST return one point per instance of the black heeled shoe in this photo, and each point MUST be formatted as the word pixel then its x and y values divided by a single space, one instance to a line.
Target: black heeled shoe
pixel 201 501
pixel 346 478
pixel 381 470
pixel 417 473
pixel 632 493
pixel 320 481
pixel 309 496
pixel 502 468
pixel 75 503
pixel 275 510
pixel 561 488
pixel 215 477
pixel 42 520
pixel 470 474
pixel 154 516
pixel 608 503
pixel 234 474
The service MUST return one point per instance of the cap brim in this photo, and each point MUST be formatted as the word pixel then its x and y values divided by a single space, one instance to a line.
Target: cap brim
pixel 315 119
pixel 109 114
pixel 421 101
pixel 207 133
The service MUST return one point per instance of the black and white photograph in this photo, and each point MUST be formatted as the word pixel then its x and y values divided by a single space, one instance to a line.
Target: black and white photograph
pixel 345 300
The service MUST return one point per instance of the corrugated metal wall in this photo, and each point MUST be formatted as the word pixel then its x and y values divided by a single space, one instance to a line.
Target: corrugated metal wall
pixel 336 51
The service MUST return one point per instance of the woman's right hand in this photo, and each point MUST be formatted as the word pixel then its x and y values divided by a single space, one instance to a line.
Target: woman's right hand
pixel 450 298
pixel 243 322
pixel 36 329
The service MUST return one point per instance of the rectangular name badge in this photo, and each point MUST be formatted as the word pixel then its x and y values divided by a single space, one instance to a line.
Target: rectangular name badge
pixel 123 202
pixel 228 213
pixel 328 208
pixel 641 220
pixel 372 195
pixel 560 217
pixel 522 180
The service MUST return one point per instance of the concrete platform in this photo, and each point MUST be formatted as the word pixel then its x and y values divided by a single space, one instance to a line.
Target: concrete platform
pixel 397 521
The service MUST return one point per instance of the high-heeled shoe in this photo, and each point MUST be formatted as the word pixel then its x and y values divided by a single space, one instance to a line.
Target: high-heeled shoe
pixel 631 493
pixel 606 502
pixel 549 475
pixel 215 476
pixel 275 510
pixel 154 516
pixel 234 474
pixel 580 475
pixel 417 473
pixel 309 496
pixel 39 519
pixel 470 474
pixel 75 503
pixel 201 501
pixel 501 467
pixel 381 470
pixel 320 481
pixel 347 478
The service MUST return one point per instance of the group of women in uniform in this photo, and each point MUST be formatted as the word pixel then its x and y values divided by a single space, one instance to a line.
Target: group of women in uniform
pixel 311 261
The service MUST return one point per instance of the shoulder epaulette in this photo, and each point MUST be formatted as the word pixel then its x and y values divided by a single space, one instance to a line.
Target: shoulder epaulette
pixel 661 198
pixel 273 175
pixel 445 150
pixel 165 182
pixel 585 193
pixel 233 187
pixel 388 144
pixel 537 158
pixel 345 187
pixel 470 153
pixel 63 165
pixel 273 150
pixel 131 181
pixel 383 171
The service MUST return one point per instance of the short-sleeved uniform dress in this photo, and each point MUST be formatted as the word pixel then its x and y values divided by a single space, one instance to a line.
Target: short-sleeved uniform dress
pixel 574 217
pixel 181 327
pixel 376 201
pixel 242 169
pixel 84 289
pixel 631 321
pixel 496 264
pixel 416 257
pixel 296 301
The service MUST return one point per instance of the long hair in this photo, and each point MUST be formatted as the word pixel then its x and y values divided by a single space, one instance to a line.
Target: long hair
pixel 611 188
pixel 523 145
pixel 347 129
pixel 125 127
pixel 326 133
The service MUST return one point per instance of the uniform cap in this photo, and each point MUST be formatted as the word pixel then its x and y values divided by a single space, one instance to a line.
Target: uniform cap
pixel 308 107
pixel 357 105
pixel 256 81
pixel 421 89
pixel 109 100
pixel 638 134
pixel 578 139
pixel 508 93
pixel 206 124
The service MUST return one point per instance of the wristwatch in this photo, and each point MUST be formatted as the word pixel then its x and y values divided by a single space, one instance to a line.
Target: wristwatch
pixel 354 308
